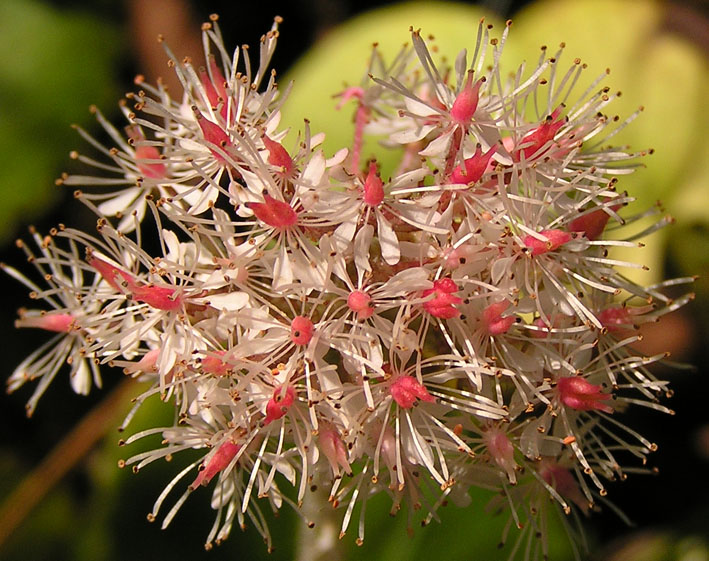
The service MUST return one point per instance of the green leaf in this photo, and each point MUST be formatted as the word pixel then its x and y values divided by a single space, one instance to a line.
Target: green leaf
pixel 56 64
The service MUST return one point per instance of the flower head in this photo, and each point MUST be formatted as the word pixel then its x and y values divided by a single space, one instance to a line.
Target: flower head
pixel 455 322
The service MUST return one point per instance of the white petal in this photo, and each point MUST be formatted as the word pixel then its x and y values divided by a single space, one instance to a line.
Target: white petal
pixel 119 203
pixel 255 184
pixel 419 108
pixel 532 435
pixel 287 470
pixel 222 493
pixel 202 199
pixel 317 139
pixel 388 242
pixel 193 147
pixel 408 280
pixel 129 221
pixel 282 270
pixel 438 146
pixel 330 382
pixel 418 450
pixel 173 245
pixel 338 158
pixel 273 123
pixel 461 65
pixel 363 241
pixel 500 267
pixel 229 302
pixel 407 136
pixel 343 234
pixel 313 172
pixel 81 378
pixel 409 178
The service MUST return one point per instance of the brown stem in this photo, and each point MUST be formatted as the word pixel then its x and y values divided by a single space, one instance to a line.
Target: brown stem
pixel 174 21
pixel 65 455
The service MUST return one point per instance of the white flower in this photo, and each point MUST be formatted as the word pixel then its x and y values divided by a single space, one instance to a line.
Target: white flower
pixel 457 324
pixel 71 298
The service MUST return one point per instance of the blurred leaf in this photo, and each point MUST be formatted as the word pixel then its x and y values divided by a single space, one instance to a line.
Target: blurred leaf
pixel 660 546
pixel 56 64
pixel 690 202
pixel 464 534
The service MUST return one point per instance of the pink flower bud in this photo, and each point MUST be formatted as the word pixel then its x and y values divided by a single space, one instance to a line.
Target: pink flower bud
pixel 454 258
pixel 214 86
pixel 388 450
pixel 213 134
pixel 534 141
pixel 501 451
pixel 213 364
pixel 466 102
pixel 145 364
pixel 493 320
pixel 301 330
pixel 219 462
pixel 579 394
pixel 334 449
pixel 475 166
pixel 591 224
pixel 615 318
pixel 280 402
pixel 361 303
pixel 563 481
pixel 555 239
pixel 274 213
pixel 442 304
pixel 278 156
pixel 217 78
pixel 373 187
pixel 52 321
pixel 159 297
pixel 405 390
pixel 210 90
pixel 112 275
pixel 146 156
pixel 543 331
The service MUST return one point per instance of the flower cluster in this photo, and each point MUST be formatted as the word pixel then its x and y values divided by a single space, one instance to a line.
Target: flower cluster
pixel 318 319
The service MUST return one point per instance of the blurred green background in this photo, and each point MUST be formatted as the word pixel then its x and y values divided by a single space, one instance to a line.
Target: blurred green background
pixel 62 56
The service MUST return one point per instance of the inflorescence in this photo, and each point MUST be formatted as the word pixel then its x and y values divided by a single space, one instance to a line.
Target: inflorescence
pixel 455 321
